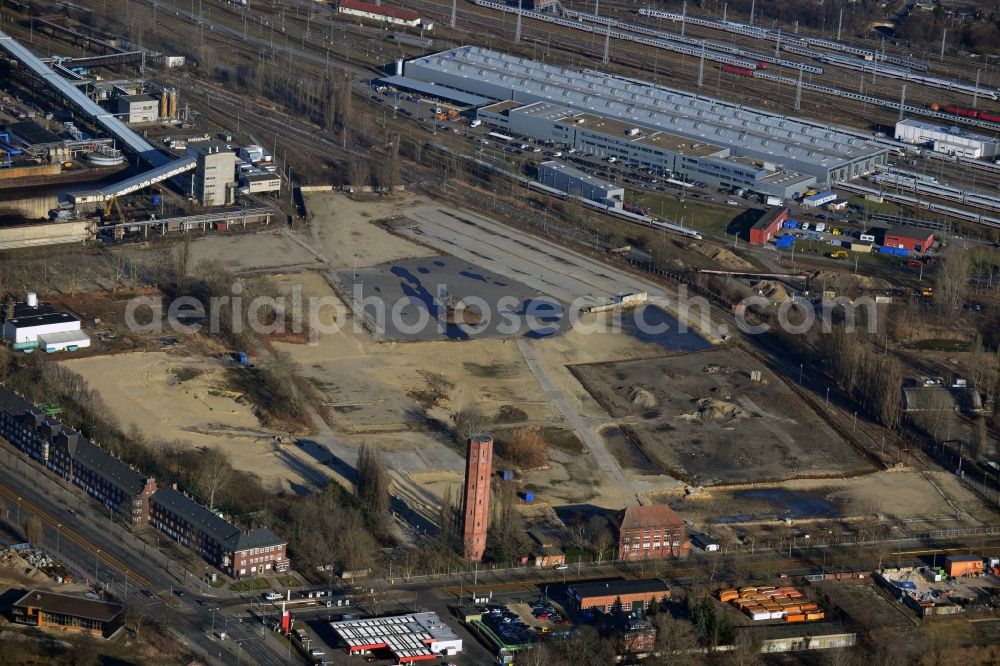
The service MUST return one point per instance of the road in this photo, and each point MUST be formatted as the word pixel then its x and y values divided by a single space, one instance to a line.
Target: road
pixel 558 397
pixel 97 549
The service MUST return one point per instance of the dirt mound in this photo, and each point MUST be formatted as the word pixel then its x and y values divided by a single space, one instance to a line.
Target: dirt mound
pixel 716 410
pixel 773 291
pixel 841 280
pixel 725 258
pixel 640 398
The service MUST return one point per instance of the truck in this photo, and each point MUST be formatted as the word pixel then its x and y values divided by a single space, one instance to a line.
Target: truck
pixel 821 226
pixel 476 123
pixel 774 201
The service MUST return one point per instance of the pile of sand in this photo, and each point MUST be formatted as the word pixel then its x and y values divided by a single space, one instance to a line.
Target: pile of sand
pixel 725 258
pixel 772 291
pixel 716 410
pixel 640 398
pixel 835 279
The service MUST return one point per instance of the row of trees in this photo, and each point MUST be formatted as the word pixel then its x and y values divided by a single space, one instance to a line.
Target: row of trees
pixel 870 376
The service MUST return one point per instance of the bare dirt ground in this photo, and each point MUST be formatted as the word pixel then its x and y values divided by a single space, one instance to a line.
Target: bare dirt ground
pixel 174 397
pixel 700 417
pixel 912 500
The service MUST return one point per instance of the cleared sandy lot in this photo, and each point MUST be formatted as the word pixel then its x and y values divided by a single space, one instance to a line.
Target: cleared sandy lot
pixel 174 398
pixel 900 496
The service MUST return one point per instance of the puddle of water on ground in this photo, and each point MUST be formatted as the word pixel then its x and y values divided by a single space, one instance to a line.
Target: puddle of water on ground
pixel 652 324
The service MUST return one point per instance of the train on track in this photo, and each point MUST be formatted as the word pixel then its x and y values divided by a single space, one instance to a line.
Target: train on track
pixel 966 112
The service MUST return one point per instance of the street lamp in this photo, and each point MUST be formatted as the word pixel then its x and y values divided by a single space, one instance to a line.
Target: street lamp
pixel 213 618
pixel 19 513
pixel 58 534
pixel 97 562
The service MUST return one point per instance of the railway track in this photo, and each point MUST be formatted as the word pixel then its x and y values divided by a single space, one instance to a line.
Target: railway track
pixel 66 531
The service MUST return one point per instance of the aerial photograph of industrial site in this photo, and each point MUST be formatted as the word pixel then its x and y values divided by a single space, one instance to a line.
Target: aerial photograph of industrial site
pixel 482 332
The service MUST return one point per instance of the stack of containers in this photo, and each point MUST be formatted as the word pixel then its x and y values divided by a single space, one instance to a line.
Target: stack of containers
pixel 772 603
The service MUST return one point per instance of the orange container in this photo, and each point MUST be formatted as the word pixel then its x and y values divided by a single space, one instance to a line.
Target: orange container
pixel 818 615
pixel 795 617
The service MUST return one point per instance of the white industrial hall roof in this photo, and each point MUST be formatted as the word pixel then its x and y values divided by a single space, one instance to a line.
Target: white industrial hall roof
pixel 645 104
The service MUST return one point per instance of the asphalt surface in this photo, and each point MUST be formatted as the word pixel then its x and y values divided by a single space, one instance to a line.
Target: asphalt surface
pixel 94 548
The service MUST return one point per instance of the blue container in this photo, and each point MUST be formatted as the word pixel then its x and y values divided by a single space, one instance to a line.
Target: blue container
pixel 242 358
pixel 156 200
pixel 886 250
pixel 902 252
pixel 507 475
pixel 529 496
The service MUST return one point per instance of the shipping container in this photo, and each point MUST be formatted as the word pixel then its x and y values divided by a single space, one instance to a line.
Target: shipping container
pixel 507 475
pixel 795 617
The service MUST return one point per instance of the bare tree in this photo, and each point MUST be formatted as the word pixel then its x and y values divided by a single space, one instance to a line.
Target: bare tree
pixel 952 281
pixel 135 619
pixel 214 472
pixel 182 262
pixel 506 539
pixel 373 486
pixel 33 531
pixel 601 537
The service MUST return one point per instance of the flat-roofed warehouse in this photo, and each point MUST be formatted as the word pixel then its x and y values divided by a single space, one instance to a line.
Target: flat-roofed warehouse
pixel 780 143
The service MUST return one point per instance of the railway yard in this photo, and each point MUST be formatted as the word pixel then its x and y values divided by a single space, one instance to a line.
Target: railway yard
pixel 666 256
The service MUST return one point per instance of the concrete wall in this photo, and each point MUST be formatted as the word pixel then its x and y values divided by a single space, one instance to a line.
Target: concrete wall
pixel 51 233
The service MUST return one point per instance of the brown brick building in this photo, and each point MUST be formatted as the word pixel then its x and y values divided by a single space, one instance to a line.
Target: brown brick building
pixel 476 499
pixel 237 552
pixel 647 532
pixel 63 611
pixel 75 458
pixel 625 595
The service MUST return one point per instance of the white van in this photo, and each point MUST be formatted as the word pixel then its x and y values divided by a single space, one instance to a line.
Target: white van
pixel 821 226
pixel 476 123
pixel 272 596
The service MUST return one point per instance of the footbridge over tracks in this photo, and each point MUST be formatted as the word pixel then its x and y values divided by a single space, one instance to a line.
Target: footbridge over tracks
pixel 134 183
pixel 164 166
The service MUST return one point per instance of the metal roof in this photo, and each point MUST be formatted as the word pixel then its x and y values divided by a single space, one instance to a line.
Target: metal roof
pixel 406 636
pixel 441 92
pixel 644 104
pixel 216 528
pixel 117 128
pixel 65 604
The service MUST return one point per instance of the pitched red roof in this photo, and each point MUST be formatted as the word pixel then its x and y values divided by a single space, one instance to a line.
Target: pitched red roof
pixel 381 10
pixel 645 517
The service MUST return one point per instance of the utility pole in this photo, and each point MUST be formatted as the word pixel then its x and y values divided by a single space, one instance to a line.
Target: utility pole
pixel 607 44
pixel 975 94
pixel 944 34
pixel 798 93
pixel 517 30
pixel 454 10
pixel 840 23
pixel 753 10
pixel 777 44
pixel 725 9
pixel 701 66
pixel 684 11
pixel 902 101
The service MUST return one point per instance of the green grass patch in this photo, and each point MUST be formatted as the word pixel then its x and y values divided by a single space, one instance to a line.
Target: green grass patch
pixel 886 207
pixel 562 439
pixel 288 581
pixel 217 583
pixel 714 220
pixel 251 585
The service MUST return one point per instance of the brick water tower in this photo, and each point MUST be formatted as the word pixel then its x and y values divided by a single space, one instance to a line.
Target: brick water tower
pixel 476 500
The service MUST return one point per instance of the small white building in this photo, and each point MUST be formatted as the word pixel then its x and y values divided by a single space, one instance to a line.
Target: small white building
pixel 260 181
pixel 35 325
pixel 139 108
pixel 819 199
pixel 947 140
pixel 384 13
